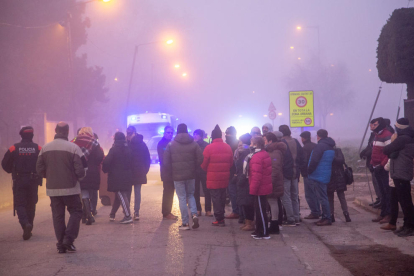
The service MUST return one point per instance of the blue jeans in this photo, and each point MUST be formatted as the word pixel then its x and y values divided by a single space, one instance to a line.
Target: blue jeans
pixel 322 193
pixel 311 197
pixel 290 199
pixel 137 192
pixel 233 195
pixel 185 193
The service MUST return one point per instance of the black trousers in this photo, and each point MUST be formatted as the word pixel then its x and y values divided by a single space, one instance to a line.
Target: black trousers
pixel 122 198
pixel 66 234
pixel 403 190
pixel 248 211
pixel 93 197
pixel 25 199
pixel 394 206
pixel 382 178
pixel 218 197
pixel 260 205
pixel 202 181
pixel 167 197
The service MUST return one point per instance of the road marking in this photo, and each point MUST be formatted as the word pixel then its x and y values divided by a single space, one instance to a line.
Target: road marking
pixel 294 248
pixel 285 235
pixel 307 266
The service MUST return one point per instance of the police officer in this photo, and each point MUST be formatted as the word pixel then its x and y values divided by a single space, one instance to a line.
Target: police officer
pixel 20 161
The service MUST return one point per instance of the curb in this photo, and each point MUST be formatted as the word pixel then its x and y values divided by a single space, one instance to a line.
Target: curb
pixel 365 205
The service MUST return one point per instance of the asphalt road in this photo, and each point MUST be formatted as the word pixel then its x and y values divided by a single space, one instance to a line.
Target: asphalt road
pixel 153 246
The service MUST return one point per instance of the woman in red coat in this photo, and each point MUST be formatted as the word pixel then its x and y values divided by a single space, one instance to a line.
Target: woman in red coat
pixel 259 174
pixel 218 159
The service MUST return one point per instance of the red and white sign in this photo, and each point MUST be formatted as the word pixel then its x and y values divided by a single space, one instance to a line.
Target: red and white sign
pixel 272 114
pixel 301 102
pixel 308 121
pixel 272 107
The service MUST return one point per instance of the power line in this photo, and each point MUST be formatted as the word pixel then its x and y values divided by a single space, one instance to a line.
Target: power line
pixel 27 27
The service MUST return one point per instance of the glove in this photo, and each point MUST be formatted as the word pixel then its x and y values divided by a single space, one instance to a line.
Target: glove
pixel 378 168
pixel 371 168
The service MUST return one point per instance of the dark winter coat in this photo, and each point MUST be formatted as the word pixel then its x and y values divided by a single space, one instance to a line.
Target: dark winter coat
pixel 367 152
pixel 276 152
pixel 118 165
pixel 200 172
pixel 308 147
pixel 260 174
pixel 166 175
pixel 382 139
pixel 401 153
pixel 320 163
pixel 291 168
pixel 92 179
pixel 338 182
pixel 243 191
pixel 183 156
pixel 233 143
pixel 218 159
pixel 141 160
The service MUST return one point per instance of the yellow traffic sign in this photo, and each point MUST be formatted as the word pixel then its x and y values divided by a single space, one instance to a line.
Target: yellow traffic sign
pixel 301 109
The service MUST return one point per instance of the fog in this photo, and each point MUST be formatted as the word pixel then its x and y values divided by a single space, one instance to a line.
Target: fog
pixel 238 59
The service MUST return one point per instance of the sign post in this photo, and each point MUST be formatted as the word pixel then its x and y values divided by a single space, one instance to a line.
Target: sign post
pixel 272 113
pixel 301 111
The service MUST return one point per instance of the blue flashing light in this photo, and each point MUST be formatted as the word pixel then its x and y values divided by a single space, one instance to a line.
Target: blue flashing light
pixel 176 119
pixel 163 116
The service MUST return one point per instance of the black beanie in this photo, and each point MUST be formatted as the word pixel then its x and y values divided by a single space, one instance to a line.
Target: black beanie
pixel 182 128
pixel 199 132
pixel 306 135
pixel 245 139
pixel 402 123
pixel 216 133
pixel 119 136
pixel 27 132
pixel 285 130
pixel 231 130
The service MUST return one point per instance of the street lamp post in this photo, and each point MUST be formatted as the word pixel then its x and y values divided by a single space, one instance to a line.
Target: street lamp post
pixel 133 67
pixel 319 46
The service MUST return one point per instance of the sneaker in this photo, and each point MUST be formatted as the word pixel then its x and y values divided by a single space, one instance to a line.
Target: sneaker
pixel 195 222
pixel 70 248
pixel 184 227
pixel 408 231
pixel 61 250
pixel 136 216
pixel 209 214
pixel 399 230
pixel 94 213
pixel 297 223
pixel 232 216
pixel 280 227
pixel 27 232
pixel 218 223
pixel 254 234
pixel 126 220
pixel 289 223
pixel 111 218
pixel 259 237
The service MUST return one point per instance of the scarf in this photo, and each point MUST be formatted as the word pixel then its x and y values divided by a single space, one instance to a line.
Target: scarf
pixel 87 143
pixel 247 162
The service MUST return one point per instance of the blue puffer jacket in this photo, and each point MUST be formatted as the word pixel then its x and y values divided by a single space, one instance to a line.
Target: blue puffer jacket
pixel 320 162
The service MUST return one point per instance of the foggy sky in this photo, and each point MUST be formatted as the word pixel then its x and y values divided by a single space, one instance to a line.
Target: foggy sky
pixel 230 48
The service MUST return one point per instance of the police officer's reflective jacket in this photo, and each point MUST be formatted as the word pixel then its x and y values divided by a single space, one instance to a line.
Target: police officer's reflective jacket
pixel 20 160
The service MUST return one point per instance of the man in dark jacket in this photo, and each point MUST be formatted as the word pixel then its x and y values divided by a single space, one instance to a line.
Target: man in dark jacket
pixel 141 162
pixel 320 170
pixel 201 177
pixel 378 161
pixel 166 175
pixel 310 189
pixel 366 155
pixel 401 154
pixel 231 140
pixel 62 163
pixel 20 161
pixel 183 157
pixel 293 162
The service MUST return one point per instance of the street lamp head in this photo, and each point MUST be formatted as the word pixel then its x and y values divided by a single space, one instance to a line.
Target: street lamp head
pixel 177 66
pixel 291 47
pixel 106 1
pixel 184 74
pixel 299 58
pixel 299 28
pixel 170 41
pixel 280 114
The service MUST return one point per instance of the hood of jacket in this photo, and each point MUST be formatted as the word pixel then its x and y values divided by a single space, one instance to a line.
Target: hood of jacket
pixel 184 138
pixel 329 141
pixel 269 127
pixel 276 146
pixel 407 131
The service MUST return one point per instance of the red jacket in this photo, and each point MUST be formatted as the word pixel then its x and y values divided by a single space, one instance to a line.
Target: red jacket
pixel 218 159
pixel 382 139
pixel 260 174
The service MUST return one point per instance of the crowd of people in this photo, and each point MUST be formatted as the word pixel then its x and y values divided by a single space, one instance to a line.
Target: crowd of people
pixel 258 172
